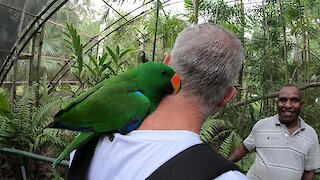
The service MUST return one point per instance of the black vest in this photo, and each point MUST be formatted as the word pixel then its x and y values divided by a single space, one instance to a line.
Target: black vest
pixel 198 162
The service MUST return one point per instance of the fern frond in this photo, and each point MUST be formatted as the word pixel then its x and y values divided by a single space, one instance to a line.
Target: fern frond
pixel 51 136
pixel 245 163
pixel 4 104
pixel 229 143
pixel 209 129
pixel 23 107
pixel 41 114
pixel 6 132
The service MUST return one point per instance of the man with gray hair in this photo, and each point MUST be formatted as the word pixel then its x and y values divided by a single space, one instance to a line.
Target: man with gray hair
pixel 208 59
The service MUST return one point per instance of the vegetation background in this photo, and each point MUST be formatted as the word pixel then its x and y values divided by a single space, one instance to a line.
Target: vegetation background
pixel 80 45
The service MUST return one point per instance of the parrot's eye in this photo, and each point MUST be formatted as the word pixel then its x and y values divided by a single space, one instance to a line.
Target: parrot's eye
pixel 163 73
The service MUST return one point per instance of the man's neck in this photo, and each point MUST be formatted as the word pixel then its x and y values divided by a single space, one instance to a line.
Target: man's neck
pixel 174 112
pixel 293 126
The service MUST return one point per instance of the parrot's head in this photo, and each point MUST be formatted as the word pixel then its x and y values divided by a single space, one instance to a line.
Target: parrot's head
pixel 158 80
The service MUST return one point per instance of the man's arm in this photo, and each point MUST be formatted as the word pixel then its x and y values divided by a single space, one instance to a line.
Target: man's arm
pixel 238 153
pixel 309 175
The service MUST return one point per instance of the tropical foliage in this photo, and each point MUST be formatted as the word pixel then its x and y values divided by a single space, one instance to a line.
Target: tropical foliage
pixel 22 126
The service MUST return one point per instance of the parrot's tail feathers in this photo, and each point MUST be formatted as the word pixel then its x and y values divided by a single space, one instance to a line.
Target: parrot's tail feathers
pixel 57 161
pixel 51 125
pixel 81 139
pixel 61 126
pixel 57 125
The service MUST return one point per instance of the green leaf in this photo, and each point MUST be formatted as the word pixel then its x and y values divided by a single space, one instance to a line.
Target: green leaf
pixel 93 60
pixel 123 62
pixel 104 67
pixel 103 59
pixel 91 70
pixel 112 70
pixel 113 55
pixel 117 50
pixel 123 53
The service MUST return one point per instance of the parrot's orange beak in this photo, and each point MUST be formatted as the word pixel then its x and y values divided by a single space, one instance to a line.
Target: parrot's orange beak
pixel 176 83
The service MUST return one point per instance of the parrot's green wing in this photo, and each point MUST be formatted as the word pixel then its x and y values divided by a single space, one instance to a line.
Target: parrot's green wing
pixel 103 112
pixel 81 97
pixel 130 110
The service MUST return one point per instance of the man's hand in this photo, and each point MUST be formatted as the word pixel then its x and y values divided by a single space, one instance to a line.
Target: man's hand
pixel 309 175
pixel 238 153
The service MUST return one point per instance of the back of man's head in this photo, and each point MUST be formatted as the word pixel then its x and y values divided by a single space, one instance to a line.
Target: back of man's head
pixel 208 59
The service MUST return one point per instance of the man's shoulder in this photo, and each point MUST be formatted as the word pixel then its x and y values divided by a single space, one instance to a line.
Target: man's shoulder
pixel 232 175
pixel 266 120
pixel 308 129
pixel 305 125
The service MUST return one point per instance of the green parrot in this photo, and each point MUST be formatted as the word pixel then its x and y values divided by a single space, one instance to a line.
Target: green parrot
pixel 118 104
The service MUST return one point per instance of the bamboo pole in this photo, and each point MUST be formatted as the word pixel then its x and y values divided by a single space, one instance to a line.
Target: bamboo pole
pixel 32 156
pixel 39 52
pixel 155 31
pixel 16 55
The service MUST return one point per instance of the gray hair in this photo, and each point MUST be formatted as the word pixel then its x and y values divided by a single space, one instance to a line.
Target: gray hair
pixel 208 59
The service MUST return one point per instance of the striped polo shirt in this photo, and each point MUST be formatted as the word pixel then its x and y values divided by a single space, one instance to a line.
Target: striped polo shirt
pixel 280 155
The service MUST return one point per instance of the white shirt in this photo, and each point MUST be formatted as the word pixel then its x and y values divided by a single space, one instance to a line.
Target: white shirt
pixel 136 155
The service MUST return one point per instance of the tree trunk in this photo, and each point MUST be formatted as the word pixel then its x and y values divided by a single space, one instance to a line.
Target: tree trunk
pixel 264 68
pixel 240 77
pixel 284 47
pixel 196 10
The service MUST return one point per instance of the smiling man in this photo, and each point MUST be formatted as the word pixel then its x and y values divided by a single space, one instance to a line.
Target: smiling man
pixel 286 146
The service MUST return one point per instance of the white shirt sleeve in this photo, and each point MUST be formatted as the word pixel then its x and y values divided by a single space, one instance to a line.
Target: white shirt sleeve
pixel 232 175
pixel 71 157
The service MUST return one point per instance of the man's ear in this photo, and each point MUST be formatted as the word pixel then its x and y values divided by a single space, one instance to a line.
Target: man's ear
pixel 231 92
pixel 167 59
pixel 302 103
